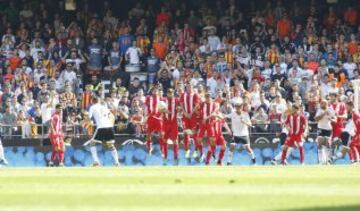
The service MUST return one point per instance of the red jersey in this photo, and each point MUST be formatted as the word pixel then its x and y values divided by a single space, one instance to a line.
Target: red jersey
pixel 151 103
pixel 56 125
pixel 296 123
pixel 172 104
pixel 356 119
pixel 189 101
pixel 219 123
pixel 206 109
pixel 340 110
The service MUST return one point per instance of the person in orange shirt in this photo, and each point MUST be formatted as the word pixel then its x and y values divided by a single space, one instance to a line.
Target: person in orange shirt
pixel 341 79
pixel 313 65
pixel 143 43
pixel 15 60
pixel 351 16
pixel 352 45
pixel 160 48
pixel 53 68
pixel 9 76
pixel 272 54
pixel 330 19
pixel 269 19
pixel 163 17
pixel 284 27
pixel 86 97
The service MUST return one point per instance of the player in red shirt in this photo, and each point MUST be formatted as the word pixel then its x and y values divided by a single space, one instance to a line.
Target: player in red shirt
pixel 220 140
pixel 171 126
pixel 57 137
pixel 207 110
pixel 340 111
pixel 296 125
pixel 189 100
pixel 355 141
pixel 154 121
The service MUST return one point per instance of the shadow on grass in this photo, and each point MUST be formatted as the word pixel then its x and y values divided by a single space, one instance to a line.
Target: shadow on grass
pixel 334 208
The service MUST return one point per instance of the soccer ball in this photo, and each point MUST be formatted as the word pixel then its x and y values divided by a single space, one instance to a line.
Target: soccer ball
pixel 161 106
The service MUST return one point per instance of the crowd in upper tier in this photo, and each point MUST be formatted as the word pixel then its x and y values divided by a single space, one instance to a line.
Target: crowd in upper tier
pixel 266 53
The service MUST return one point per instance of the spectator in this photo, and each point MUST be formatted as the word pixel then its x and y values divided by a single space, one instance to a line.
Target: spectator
pixel 152 66
pixel 68 76
pixel 114 60
pixel 160 48
pixel 133 54
pixel 94 56
pixel 9 121
pixel 125 41
pixel 260 119
pixel 284 27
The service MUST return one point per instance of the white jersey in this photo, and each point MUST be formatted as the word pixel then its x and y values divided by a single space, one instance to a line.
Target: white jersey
pixel 325 122
pixel 350 127
pixel 238 128
pixel 283 119
pixel 102 115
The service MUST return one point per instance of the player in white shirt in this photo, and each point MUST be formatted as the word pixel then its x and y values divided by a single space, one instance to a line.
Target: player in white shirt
pixel 104 133
pixel 240 123
pixel 324 117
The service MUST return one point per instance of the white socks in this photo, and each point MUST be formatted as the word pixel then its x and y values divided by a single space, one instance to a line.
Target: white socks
pixel 2 157
pixel 230 156
pixel 322 154
pixel 94 155
pixel 252 155
pixel 115 156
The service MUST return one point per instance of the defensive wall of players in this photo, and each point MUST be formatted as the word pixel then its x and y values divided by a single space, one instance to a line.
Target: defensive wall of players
pixel 132 151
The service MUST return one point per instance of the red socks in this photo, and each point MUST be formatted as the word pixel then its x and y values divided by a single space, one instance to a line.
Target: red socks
pixel 301 150
pixel 221 155
pixel 53 155
pixel 186 142
pixel 165 150
pixel 283 156
pixel 61 156
pixel 176 151
pixel 210 152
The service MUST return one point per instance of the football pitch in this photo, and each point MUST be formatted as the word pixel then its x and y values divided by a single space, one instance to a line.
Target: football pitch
pixel 181 188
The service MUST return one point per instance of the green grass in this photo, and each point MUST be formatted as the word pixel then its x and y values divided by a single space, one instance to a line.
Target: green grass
pixel 181 188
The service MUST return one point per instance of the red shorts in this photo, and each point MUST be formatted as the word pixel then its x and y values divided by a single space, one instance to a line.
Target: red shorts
pixel 207 130
pixel 154 125
pixel 337 132
pixel 171 130
pixel 355 141
pixel 220 140
pixel 191 123
pixel 290 141
pixel 56 141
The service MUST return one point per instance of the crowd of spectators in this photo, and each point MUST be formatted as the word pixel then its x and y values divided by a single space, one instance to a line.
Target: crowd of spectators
pixel 265 53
